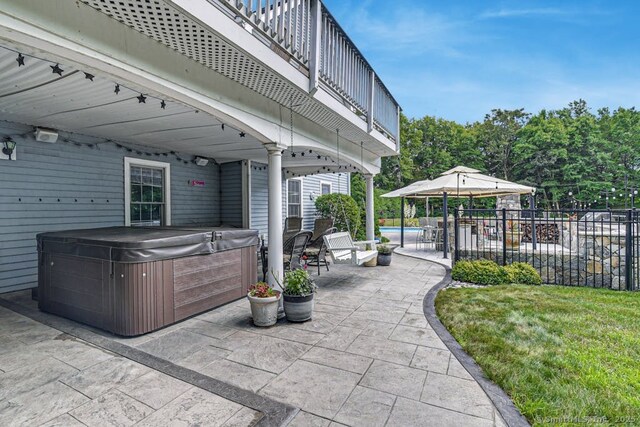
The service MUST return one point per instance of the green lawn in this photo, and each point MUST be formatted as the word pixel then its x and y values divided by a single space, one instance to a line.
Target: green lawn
pixel 562 354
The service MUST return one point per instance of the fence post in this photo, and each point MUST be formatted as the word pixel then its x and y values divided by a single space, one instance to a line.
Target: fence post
pixel 628 252
pixel 445 226
pixel 402 222
pixel 456 238
pixel 504 236
pixel 534 238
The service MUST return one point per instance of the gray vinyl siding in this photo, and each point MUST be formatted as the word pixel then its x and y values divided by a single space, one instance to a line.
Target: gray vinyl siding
pixel 231 194
pixel 259 198
pixel 310 184
pixel 340 183
pixel 63 186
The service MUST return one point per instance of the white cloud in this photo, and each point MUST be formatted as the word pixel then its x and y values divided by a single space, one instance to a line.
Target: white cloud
pixel 508 13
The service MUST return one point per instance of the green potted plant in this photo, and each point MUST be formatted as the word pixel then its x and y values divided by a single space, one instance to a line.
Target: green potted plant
pixel 384 255
pixel 264 302
pixel 298 292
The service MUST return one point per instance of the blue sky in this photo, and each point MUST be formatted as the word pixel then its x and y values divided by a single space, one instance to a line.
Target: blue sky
pixel 460 59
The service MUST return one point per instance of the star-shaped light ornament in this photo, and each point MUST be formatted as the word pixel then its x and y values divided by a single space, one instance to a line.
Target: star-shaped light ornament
pixel 142 99
pixel 55 69
pixel 20 60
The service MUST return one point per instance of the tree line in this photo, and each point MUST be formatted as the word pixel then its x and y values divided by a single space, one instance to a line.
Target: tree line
pixel 573 156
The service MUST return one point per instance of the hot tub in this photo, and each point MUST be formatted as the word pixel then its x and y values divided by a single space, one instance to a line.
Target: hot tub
pixel 130 280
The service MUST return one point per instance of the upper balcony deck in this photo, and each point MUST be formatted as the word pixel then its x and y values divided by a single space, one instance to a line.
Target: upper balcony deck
pixel 332 84
pixel 312 38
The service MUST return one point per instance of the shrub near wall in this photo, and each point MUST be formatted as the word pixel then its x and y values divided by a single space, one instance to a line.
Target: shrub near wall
pixel 523 274
pixel 484 272
pixel 343 209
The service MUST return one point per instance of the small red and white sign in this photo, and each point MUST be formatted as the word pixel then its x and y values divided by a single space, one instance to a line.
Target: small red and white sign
pixel 196 183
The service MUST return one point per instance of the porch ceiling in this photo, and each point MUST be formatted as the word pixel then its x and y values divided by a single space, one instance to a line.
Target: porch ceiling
pixel 33 95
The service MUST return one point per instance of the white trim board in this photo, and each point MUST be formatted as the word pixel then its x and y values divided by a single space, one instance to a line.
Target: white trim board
pixel 132 161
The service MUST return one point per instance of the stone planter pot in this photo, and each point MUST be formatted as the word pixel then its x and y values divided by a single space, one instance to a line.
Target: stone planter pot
pixel 298 308
pixel 264 310
pixel 384 259
pixel 371 263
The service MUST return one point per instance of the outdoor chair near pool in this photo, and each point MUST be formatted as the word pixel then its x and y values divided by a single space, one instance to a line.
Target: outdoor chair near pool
pixel 426 236
pixel 343 250
pixel 317 256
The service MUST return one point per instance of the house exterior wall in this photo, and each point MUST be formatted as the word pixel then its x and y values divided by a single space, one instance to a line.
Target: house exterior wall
pixel 310 190
pixel 64 186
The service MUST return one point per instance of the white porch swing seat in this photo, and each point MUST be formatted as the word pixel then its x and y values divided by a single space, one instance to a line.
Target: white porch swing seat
pixel 343 250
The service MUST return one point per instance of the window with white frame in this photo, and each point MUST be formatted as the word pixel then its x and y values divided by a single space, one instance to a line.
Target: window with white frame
pixel 325 188
pixel 147 193
pixel 294 198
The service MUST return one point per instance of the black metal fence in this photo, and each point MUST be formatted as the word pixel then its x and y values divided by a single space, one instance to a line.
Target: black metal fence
pixel 573 248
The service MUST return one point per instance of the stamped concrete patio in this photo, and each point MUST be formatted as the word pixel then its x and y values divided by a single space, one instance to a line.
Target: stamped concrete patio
pixel 368 358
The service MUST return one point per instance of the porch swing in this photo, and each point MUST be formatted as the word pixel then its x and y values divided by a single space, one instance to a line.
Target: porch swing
pixel 341 247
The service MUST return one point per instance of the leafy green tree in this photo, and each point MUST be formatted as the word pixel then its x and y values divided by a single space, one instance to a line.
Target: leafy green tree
pixel 497 135
pixel 541 153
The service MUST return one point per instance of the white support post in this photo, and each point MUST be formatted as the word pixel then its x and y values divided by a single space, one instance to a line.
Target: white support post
pixel 372 100
pixel 369 202
pixel 316 38
pixel 276 256
pixel 398 129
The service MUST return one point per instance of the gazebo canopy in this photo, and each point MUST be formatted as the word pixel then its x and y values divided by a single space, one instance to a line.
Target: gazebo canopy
pixel 461 182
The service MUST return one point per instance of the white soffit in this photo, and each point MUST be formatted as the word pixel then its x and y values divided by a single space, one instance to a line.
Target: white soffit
pixel 166 24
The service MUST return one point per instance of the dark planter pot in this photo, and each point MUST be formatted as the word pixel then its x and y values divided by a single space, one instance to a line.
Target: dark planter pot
pixel 384 260
pixel 298 308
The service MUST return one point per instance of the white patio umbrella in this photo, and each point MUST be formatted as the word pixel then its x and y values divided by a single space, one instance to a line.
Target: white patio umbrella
pixel 460 181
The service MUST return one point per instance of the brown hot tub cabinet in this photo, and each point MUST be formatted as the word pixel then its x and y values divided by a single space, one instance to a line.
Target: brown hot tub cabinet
pixel 131 281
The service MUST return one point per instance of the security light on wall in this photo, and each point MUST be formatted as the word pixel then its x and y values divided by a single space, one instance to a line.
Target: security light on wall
pixel 46 135
pixel 201 161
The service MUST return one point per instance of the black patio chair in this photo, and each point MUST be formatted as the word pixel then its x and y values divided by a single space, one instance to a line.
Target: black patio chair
pixel 294 250
pixel 317 255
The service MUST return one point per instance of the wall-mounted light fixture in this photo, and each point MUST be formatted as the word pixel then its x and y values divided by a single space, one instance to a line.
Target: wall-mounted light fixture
pixel 46 135
pixel 201 161
pixel 9 146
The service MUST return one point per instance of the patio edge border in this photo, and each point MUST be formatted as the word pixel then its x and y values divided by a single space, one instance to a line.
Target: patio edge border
pixel 500 399
pixel 276 414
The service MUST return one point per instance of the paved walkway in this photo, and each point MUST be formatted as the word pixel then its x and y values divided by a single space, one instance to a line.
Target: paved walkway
pixel 367 358
pixel 417 251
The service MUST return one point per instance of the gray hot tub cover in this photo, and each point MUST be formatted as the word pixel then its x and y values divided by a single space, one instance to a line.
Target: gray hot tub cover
pixel 143 244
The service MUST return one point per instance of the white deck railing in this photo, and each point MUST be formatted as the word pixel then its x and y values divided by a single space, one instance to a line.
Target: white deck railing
pixel 308 32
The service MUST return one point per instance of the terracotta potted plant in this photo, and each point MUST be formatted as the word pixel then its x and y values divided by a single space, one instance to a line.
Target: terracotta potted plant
pixel 264 302
pixel 384 255
pixel 298 292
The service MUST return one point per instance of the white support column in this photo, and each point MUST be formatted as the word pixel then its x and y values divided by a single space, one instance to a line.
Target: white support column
pixel 316 36
pixel 371 100
pixel 369 217
pixel 276 257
